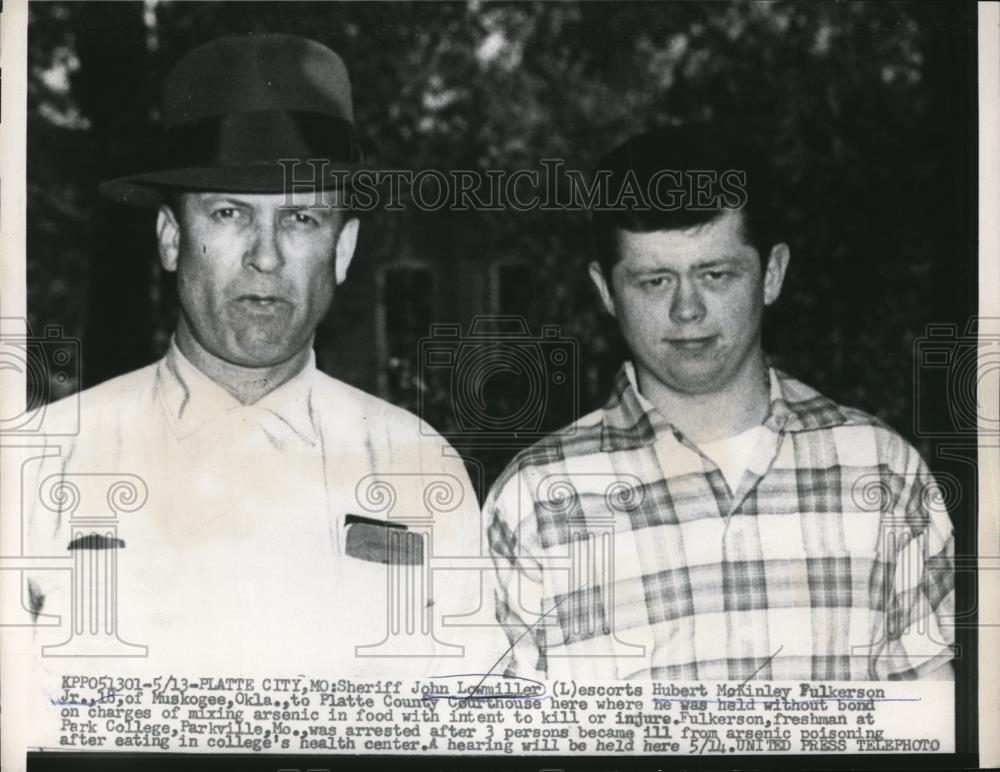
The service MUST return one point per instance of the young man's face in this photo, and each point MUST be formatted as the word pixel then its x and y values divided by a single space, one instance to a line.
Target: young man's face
pixel 255 276
pixel 690 302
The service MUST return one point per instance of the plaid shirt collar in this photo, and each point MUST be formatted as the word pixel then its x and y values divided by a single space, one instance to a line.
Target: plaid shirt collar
pixel 630 421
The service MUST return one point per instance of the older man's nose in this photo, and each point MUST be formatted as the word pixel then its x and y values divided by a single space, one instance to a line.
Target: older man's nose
pixel 264 252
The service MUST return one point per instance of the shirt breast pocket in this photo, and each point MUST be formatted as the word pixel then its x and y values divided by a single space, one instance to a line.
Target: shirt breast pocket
pixel 379 541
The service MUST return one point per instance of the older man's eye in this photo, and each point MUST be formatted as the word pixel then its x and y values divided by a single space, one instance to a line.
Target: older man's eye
pixel 302 218
pixel 226 213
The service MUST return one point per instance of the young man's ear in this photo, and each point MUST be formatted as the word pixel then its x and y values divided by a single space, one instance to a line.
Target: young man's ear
pixel 774 273
pixel 347 241
pixel 603 287
pixel 168 235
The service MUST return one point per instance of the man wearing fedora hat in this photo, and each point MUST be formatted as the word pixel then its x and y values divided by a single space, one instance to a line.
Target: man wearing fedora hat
pixel 283 504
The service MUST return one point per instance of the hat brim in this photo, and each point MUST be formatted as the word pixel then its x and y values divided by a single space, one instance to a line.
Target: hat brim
pixel 148 190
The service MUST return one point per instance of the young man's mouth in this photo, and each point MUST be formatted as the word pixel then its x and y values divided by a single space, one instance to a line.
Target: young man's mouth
pixel 692 345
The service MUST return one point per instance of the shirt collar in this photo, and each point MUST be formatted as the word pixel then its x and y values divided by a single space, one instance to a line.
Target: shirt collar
pixel 192 400
pixel 631 421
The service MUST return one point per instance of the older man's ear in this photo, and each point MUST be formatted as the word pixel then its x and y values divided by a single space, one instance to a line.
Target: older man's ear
pixel 347 241
pixel 167 237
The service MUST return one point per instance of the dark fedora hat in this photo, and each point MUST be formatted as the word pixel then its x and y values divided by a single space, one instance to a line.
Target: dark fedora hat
pixel 235 107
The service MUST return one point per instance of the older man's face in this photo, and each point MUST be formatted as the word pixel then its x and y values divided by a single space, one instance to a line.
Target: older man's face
pixel 254 275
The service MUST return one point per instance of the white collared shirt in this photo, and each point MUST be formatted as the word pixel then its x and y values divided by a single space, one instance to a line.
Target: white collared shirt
pixel 238 559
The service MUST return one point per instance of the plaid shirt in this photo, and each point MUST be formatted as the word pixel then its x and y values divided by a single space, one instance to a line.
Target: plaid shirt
pixel 621 553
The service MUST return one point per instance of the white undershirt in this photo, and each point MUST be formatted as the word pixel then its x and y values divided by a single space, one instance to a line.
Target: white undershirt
pixel 732 454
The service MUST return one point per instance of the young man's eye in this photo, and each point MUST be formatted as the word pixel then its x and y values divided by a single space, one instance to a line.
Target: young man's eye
pixel 654 282
pixel 715 277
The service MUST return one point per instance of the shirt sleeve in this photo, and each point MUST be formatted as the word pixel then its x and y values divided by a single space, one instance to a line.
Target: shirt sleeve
pixel 920 593
pixel 513 546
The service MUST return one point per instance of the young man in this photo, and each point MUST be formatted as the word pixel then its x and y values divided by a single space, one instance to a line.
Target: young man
pixel 288 524
pixel 715 519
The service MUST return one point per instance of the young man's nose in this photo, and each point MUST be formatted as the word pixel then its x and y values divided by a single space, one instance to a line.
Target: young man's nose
pixel 686 305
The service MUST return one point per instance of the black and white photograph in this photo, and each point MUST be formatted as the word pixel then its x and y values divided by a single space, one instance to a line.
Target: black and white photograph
pixel 521 383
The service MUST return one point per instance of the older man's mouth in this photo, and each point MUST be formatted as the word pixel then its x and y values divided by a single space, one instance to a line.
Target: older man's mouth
pixel 263 303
